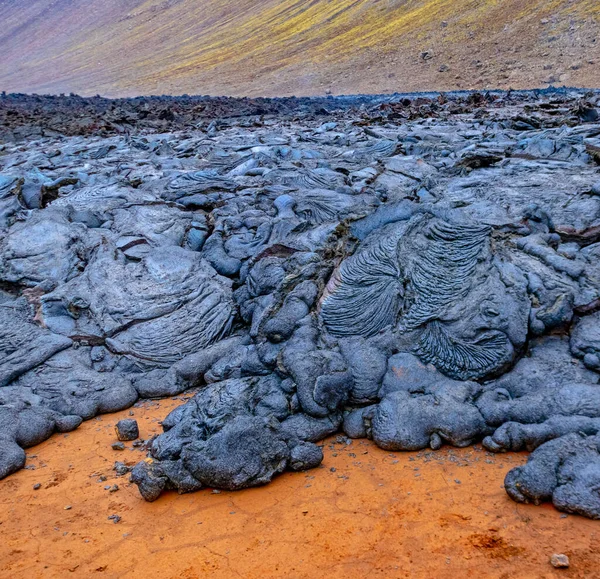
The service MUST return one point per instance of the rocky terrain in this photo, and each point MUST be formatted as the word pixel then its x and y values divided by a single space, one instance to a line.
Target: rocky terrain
pixel 72 512
pixel 288 47
pixel 421 271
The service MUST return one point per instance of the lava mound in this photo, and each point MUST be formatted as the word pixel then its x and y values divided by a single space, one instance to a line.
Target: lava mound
pixel 419 272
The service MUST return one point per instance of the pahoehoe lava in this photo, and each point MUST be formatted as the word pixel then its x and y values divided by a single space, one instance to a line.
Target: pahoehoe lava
pixel 416 269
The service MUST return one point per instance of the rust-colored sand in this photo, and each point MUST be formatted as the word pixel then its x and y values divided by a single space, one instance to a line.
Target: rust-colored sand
pixel 365 513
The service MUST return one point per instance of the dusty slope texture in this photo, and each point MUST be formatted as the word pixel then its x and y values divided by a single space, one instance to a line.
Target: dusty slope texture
pixel 366 511
pixel 273 47
pixel 419 272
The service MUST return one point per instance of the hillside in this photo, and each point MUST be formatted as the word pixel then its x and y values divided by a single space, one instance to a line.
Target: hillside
pixel 303 47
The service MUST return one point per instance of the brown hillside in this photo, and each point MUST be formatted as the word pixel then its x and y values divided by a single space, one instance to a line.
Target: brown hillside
pixel 283 47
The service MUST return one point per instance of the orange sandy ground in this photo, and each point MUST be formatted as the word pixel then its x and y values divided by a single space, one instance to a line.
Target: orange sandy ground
pixel 364 513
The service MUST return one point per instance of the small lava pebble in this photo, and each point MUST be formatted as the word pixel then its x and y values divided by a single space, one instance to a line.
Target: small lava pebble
pixel 37 486
pixel 121 468
pixel 118 446
pixel 559 561
pixel 127 429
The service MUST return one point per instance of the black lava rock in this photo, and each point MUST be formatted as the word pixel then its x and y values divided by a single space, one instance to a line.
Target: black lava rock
pixel 127 429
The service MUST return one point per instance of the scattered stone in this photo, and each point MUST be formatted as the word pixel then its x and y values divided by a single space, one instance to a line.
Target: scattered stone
pixel 127 429
pixel 117 446
pixel 121 468
pixel 559 561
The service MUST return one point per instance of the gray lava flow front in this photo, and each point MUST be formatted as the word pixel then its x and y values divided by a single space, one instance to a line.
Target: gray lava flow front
pixel 417 271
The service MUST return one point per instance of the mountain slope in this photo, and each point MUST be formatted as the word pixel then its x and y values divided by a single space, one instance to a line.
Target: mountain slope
pixel 282 47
